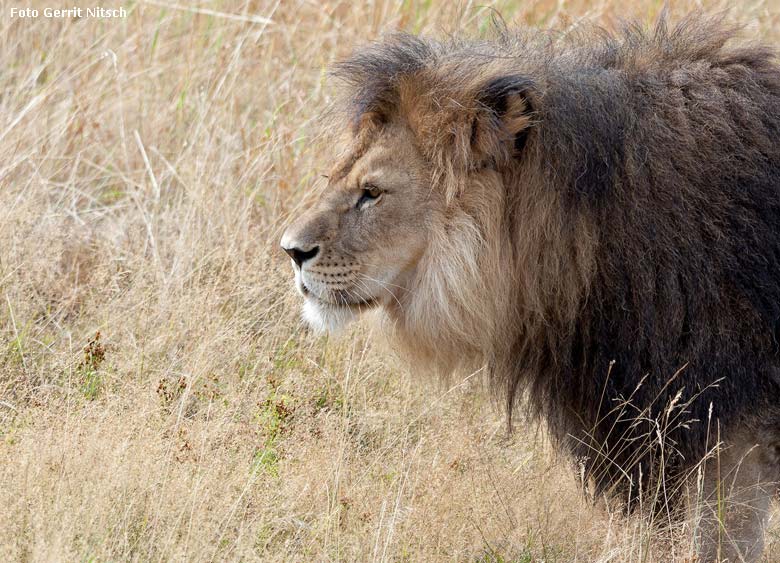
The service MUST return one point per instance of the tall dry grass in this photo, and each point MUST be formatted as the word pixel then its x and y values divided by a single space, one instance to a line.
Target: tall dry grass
pixel 159 398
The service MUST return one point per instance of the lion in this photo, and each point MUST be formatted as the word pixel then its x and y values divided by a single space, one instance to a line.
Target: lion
pixel 594 219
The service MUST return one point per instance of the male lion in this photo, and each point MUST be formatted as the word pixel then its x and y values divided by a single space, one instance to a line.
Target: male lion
pixel 595 220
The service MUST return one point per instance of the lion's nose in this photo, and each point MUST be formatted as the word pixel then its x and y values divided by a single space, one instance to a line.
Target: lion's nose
pixel 300 255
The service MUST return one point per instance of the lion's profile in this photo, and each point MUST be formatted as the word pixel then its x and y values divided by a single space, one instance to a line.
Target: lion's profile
pixel 596 220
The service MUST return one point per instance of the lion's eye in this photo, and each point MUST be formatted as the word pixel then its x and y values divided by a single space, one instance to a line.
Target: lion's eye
pixel 371 194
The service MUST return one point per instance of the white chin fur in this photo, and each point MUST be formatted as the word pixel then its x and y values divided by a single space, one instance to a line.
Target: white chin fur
pixel 326 318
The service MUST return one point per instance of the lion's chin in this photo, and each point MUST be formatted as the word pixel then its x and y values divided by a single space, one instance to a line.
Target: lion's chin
pixel 324 317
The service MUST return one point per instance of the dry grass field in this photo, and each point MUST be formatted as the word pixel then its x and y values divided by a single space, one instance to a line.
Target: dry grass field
pixel 160 399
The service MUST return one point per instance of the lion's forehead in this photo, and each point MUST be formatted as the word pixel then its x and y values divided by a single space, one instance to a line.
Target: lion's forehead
pixel 378 154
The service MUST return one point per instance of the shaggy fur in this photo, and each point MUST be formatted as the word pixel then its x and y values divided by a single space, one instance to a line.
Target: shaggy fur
pixel 612 242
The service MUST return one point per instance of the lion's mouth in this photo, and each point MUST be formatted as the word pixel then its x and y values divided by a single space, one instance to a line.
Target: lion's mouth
pixel 341 299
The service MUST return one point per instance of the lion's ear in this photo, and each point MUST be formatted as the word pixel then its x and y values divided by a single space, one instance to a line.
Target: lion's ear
pixel 368 121
pixel 504 118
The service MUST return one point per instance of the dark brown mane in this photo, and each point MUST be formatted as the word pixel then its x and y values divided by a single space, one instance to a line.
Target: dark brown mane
pixel 643 201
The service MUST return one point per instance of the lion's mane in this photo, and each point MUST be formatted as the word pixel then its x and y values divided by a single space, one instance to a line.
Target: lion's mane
pixel 618 263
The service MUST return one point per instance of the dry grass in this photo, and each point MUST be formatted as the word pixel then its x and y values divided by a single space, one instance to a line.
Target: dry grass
pixel 146 168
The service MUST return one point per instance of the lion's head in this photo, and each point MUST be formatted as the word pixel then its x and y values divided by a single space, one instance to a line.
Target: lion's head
pixel 361 244
pixel 413 220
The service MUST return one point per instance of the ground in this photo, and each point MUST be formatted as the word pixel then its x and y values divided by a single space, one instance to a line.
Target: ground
pixel 160 398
